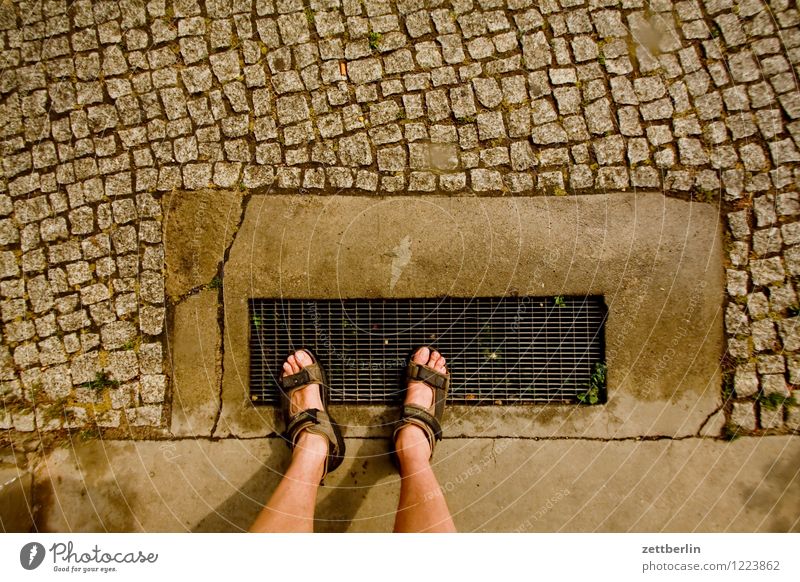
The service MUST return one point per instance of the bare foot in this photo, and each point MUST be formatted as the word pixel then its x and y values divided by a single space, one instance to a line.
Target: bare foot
pixel 412 442
pixel 305 398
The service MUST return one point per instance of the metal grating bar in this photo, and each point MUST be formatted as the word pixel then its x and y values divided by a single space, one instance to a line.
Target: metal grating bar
pixel 500 350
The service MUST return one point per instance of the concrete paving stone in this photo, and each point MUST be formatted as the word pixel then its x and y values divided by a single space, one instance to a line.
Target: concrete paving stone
pixel 199 226
pixel 16 501
pixel 226 424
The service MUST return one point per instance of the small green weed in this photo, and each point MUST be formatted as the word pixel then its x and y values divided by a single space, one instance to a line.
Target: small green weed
pixel 56 411
pixel 88 434
pixel 558 301
pixel 101 380
pixel 731 432
pixel 774 401
pixel 597 383
pixel 216 283
pixel 133 344
pixel 727 385
pixel 375 40
pixel 702 195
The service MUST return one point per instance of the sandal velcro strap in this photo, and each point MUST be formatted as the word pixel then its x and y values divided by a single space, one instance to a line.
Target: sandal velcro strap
pixel 411 412
pixel 311 374
pixel 318 422
pixel 436 380
pixel 314 421
pixel 420 417
pixel 419 373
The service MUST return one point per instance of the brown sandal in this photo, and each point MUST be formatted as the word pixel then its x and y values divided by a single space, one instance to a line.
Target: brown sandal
pixel 313 420
pixel 428 419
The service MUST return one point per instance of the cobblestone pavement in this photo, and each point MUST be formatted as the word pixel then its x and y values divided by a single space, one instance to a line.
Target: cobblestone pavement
pixel 105 106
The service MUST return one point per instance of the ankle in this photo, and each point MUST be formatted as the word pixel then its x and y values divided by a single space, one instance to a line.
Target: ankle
pixel 311 449
pixel 413 448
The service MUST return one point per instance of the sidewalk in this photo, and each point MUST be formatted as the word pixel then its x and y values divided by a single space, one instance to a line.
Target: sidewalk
pixel 695 484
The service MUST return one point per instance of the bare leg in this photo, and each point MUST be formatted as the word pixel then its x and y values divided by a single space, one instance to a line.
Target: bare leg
pixel 422 507
pixel 291 507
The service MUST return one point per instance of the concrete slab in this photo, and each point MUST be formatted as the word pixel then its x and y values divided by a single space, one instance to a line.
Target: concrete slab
pixel 656 260
pixel 198 227
pixel 16 503
pixel 196 364
pixel 751 484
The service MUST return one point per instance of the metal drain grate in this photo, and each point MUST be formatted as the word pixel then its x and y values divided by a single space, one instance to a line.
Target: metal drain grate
pixel 506 350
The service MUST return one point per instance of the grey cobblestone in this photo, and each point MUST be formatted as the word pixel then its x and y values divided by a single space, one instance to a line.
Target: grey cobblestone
pixel 743 415
pixel 746 381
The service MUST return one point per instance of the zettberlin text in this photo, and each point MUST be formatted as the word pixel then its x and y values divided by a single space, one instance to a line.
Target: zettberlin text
pixel 684 549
